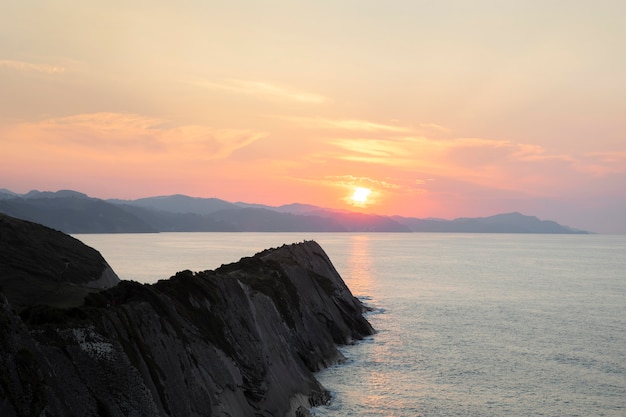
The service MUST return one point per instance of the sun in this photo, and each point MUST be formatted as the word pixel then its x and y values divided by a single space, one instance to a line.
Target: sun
pixel 360 195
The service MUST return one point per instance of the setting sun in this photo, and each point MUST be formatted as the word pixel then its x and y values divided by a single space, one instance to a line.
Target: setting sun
pixel 360 195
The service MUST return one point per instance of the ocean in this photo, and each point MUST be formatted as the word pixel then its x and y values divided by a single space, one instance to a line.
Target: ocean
pixel 467 324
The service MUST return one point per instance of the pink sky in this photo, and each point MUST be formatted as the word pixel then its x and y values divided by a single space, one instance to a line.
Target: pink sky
pixel 443 110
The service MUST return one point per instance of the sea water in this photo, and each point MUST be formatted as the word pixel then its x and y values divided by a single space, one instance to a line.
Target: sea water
pixel 467 324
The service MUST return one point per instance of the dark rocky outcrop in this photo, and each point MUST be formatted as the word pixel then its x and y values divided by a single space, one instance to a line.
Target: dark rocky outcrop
pixel 243 340
pixel 40 265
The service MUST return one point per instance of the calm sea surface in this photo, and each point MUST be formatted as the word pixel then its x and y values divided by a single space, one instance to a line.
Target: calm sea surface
pixel 468 324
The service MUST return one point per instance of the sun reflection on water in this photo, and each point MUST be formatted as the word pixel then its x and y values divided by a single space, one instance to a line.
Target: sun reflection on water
pixel 359 266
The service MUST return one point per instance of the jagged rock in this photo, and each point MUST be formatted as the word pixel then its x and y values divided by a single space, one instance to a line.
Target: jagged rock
pixel 243 340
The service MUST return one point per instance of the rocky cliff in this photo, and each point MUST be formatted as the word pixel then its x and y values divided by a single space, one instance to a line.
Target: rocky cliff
pixel 39 265
pixel 243 340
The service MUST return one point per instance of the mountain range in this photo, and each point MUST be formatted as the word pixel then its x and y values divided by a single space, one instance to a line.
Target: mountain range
pixel 74 212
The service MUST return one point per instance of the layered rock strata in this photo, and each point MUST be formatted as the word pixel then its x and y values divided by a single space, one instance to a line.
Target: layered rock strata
pixel 243 340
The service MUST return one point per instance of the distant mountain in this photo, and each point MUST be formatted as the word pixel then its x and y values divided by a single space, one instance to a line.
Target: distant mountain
pixel 499 223
pixel 252 219
pixel 164 221
pixel 360 222
pixel 74 212
pixel 55 194
pixel 248 217
pixel 241 204
pixel 179 204
pixel 5 194
pixel 297 208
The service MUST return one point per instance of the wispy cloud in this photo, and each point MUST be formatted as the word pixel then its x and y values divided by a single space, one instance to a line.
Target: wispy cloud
pixel 264 89
pixel 495 164
pixel 435 127
pixel 471 153
pixel 375 148
pixel 399 152
pixel 604 163
pixel 352 181
pixel 104 121
pixel 132 135
pixel 346 124
pixel 31 67
pixel 617 157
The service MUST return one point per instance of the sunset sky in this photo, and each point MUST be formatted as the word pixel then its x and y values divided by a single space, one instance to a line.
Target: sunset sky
pixel 440 108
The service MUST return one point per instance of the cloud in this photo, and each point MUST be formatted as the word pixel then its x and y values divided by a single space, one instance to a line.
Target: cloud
pixel 435 127
pixel 398 152
pixel 372 148
pixel 603 163
pixel 130 136
pixel 352 181
pixel 346 124
pixel 617 157
pixel 264 89
pixel 216 143
pixel 492 164
pixel 381 150
pixel 470 153
pixel 31 67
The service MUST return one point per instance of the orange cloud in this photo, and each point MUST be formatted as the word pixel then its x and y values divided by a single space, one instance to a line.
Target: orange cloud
pixel 494 164
pixel 345 124
pixel 375 150
pixel 31 67
pixel 264 89
pixel 435 127
pixel 125 153
pixel 350 181
pixel 130 136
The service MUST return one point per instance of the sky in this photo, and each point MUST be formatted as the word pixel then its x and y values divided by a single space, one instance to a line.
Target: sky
pixel 442 109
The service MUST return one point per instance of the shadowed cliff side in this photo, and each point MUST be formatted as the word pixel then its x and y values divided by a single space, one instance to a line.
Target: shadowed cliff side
pixel 243 340
pixel 39 265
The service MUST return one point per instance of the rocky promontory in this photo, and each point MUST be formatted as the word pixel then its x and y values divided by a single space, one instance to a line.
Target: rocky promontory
pixel 242 340
pixel 39 265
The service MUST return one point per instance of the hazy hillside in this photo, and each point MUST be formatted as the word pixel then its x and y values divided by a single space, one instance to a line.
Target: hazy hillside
pixel 180 204
pixel 164 221
pixel 499 223
pixel 74 212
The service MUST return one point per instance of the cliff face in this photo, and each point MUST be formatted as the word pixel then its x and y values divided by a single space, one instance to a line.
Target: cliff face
pixel 243 340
